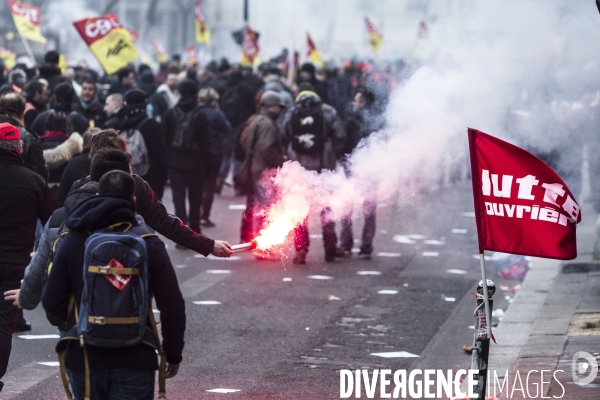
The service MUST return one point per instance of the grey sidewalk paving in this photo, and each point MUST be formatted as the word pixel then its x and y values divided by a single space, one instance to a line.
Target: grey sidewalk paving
pixel 545 326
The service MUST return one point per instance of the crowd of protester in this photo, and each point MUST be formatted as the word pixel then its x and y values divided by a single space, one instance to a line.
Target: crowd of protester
pixel 67 136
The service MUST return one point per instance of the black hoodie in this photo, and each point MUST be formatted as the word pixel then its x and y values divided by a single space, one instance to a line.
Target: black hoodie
pixel 91 215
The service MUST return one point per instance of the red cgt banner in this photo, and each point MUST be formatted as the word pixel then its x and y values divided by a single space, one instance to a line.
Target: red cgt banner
pixel 521 205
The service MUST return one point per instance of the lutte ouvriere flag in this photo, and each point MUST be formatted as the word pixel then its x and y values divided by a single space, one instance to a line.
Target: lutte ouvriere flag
pixel 521 205
pixel 108 40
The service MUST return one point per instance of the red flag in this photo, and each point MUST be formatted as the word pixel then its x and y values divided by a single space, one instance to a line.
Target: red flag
pixel 521 205
pixel 250 47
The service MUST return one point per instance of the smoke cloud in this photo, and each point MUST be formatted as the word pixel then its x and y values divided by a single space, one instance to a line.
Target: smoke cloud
pixel 523 70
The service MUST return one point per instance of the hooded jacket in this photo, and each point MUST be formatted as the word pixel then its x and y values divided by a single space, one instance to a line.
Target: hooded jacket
pixel 335 135
pixel 134 115
pixel 77 122
pixel 36 272
pixel 33 154
pixel 25 198
pixel 219 127
pixel 264 142
pixel 77 168
pixel 66 278
pixel 92 111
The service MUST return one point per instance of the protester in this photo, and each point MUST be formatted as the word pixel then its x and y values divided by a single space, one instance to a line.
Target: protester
pixel 59 148
pixel 77 168
pixel 49 69
pixel 114 103
pixel 12 106
pixel 136 364
pixel 36 274
pixel 125 81
pixel 188 139
pixel 219 127
pixel 150 156
pixel 88 104
pixel 61 104
pixel 359 124
pixel 264 152
pixel 146 83
pixel 308 73
pixel 166 97
pixel 25 198
pixel 316 139
pixel 36 94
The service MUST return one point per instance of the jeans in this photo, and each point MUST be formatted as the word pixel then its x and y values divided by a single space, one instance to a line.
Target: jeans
pixel 10 278
pixel 302 239
pixel 193 181
pixel 346 237
pixel 114 384
pixel 209 186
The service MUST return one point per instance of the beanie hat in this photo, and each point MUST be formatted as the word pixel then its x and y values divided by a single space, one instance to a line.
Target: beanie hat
pixel 9 132
pixel 308 67
pixel 187 88
pixel 134 96
pixel 271 98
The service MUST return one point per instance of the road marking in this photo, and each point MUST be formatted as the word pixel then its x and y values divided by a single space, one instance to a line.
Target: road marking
pixel 450 299
pixel 29 337
pixel 486 258
pixel 430 254
pixel 395 354
pixel 181 266
pixel 386 291
pixel 50 363
pixel 287 279
pixel 456 271
pixel 221 390
pixel 237 206
pixel 199 283
pixel 207 302
pixel 469 214
pixel 218 271
pixel 435 242
pixel 402 239
pixel 388 254
pixel 24 378
pixel 368 273
pixel 320 277
pixel 459 230
pixel 232 258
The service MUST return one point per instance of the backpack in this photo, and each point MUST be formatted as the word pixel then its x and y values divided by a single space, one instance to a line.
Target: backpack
pixel 116 302
pixel 136 144
pixel 184 132
pixel 307 123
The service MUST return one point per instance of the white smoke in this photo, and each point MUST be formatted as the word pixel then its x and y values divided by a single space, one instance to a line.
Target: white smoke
pixel 526 71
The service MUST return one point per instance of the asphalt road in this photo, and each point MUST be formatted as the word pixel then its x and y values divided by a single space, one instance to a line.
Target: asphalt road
pixel 278 333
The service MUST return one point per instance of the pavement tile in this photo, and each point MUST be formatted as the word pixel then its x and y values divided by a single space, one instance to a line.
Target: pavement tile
pixel 523 312
pixel 551 326
pixel 543 345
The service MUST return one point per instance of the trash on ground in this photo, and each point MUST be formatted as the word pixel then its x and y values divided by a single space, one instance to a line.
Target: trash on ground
pixel 449 299
pixel 287 279
pixel 221 390
pixel 218 271
pixel 368 273
pixel 387 291
pixel 507 288
pixel 430 254
pixel 403 239
pixel 435 242
pixel 333 298
pixel 383 254
pixel 510 266
pixel 320 277
pixel 207 302
pixel 456 271
pixel 395 354
pixel 459 230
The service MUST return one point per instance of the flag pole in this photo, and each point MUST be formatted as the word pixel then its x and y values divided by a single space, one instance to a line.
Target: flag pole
pixel 27 49
pixel 486 298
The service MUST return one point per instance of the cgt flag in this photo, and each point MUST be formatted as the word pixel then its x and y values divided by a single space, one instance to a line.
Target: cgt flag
pixel 27 20
pixel 313 53
pixel 202 32
pixel 250 47
pixel 521 205
pixel 375 37
pixel 8 57
pixel 108 40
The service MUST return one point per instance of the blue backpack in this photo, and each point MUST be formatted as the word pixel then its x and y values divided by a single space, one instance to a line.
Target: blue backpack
pixel 116 303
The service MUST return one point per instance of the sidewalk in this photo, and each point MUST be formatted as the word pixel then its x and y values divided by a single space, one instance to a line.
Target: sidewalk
pixel 545 326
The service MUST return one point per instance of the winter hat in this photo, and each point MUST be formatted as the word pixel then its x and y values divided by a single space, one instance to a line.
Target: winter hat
pixel 271 98
pixel 187 88
pixel 134 96
pixel 308 67
pixel 9 132
pixel 147 76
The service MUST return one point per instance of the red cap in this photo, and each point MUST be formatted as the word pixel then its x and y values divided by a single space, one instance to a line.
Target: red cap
pixel 9 132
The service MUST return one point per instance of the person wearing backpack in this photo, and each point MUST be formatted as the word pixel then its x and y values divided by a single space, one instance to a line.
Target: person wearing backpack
pixel 60 103
pixel 316 139
pixel 145 141
pixel 113 339
pixel 25 198
pixel 36 274
pixel 186 132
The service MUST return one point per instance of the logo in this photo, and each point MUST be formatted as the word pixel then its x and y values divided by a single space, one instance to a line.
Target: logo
pixel 121 44
pixel 100 27
pixel 583 367
pixel 307 140
pixel 307 121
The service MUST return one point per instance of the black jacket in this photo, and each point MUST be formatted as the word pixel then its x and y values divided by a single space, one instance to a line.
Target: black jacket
pixel 92 111
pixel 25 198
pixel 51 73
pixel 135 115
pixel 77 122
pixel 66 278
pixel 156 217
pixel 33 154
pixel 198 159
pixel 77 168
